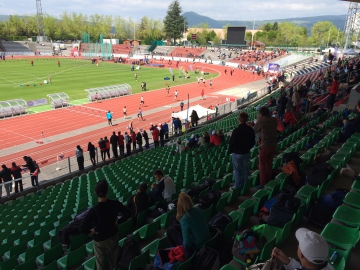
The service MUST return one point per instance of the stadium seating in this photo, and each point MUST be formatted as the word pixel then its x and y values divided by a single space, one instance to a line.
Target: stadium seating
pixel 187 52
pixel 38 218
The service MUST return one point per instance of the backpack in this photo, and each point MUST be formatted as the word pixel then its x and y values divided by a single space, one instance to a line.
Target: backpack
pixel 318 174
pixel 129 251
pixel 195 191
pixel 284 208
pixel 220 221
pixel 292 156
pixel 320 215
pixel 334 199
pixel 210 182
pixel 265 210
pixel 212 198
pixel 245 245
pixel 206 259
pixel 72 229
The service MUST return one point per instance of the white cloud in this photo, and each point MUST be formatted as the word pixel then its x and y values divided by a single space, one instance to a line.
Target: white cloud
pixel 229 10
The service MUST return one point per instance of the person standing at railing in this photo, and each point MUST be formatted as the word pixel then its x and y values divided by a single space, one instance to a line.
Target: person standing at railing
pixel 114 144
pixel 334 89
pixel 91 150
pixel 121 143
pixel 80 157
pixel 102 147
pixel 32 166
pixel 5 175
pixel 16 173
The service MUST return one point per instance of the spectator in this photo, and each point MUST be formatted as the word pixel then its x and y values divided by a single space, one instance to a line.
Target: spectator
pixel 215 139
pixel 114 140
pixel 121 143
pixel 334 89
pixel 267 126
pixel 163 189
pixel 312 251
pixel 221 135
pixel 16 173
pixel 283 100
pixel 79 157
pixel 133 140
pixel 295 99
pixel 180 147
pixel 5 175
pixel 165 126
pixel 102 147
pixel 139 140
pixel 32 166
pixel 128 144
pixel 155 135
pixel 161 135
pixel 146 138
pixel 107 145
pixel 290 118
pixel 193 230
pixel 139 201
pixel 241 141
pixel 101 222
pixel 194 118
pixel 205 139
pixel 91 150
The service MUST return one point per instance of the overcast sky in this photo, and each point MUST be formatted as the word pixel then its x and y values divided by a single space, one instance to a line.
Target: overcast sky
pixel 219 10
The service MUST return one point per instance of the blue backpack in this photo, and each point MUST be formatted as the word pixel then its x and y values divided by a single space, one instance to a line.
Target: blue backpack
pixel 334 199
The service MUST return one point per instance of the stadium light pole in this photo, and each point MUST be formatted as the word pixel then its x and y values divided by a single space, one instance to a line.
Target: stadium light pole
pixel 253 34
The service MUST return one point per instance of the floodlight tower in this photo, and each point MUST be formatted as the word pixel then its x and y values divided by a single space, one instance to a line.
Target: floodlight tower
pixel 352 25
pixel 40 22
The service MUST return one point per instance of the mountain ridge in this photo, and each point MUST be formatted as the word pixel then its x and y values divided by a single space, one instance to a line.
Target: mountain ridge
pixel 195 20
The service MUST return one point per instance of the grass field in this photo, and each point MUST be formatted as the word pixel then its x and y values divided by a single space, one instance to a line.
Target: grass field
pixel 18 77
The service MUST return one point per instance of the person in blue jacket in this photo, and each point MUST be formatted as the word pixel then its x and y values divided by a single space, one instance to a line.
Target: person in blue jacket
pixel 193 230
pixel 109 118
pixel 166 129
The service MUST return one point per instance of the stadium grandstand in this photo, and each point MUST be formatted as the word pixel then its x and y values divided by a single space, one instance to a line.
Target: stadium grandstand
pixel 317 138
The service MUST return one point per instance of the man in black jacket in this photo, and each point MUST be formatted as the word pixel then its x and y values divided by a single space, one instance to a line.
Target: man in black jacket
pixel 114 144
pixel 30 164
pixel 241 141
pixel 5 175
pixel 101 222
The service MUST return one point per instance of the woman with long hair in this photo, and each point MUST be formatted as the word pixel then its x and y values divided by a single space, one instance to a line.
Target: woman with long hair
pixel 193 230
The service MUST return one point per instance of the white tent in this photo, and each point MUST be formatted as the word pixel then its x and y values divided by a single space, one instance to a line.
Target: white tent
pixel 201 112
pixel 332 50
pixel 349 52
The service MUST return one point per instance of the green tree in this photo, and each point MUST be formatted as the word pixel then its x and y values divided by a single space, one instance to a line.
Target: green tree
pixel 174 23
pixel 225 30
pixel 275 26
pixel 267 27
pixel 248 36
pixel 320 33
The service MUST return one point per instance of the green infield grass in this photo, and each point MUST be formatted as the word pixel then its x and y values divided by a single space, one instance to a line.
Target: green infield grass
pixel 18 79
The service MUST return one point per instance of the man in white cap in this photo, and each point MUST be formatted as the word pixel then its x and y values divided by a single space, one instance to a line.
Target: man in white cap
pixel 312 252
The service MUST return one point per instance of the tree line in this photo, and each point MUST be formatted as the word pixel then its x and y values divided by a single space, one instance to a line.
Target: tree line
pixel 71 26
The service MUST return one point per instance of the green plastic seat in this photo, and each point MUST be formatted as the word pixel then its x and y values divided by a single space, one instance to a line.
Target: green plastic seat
pixel 234 195
pixel 208 213
pixel 124 228
pixel 230 229
pixel 51 266
pixel 282 234
pixel 51 243
pixel 340 158
pixel 248 184
pixel 227 180
pixel 247 210
pixel 90 264
pixel 356 185
pixel 267 249
pixel 140 261
pixel 340 236
pixel 50 255
pixel 221 203
pixel 141 217
pixel 213 241
pixel 154 246
pixel 274 187
pixel 165 218
pixel 31 253
pixel 24 238
pixel 259 199
pixel 77 241
pixel 39 239
pixel 72 258
pixel 347 215
pixel 353 199
pixel 30 264
pixel 217 185
pixel 186 265
pixel 149 230
pixel 11 263
pixel 90 247
pixel 16 250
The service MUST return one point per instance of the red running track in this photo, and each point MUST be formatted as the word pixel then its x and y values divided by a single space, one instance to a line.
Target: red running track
pixel 25 129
